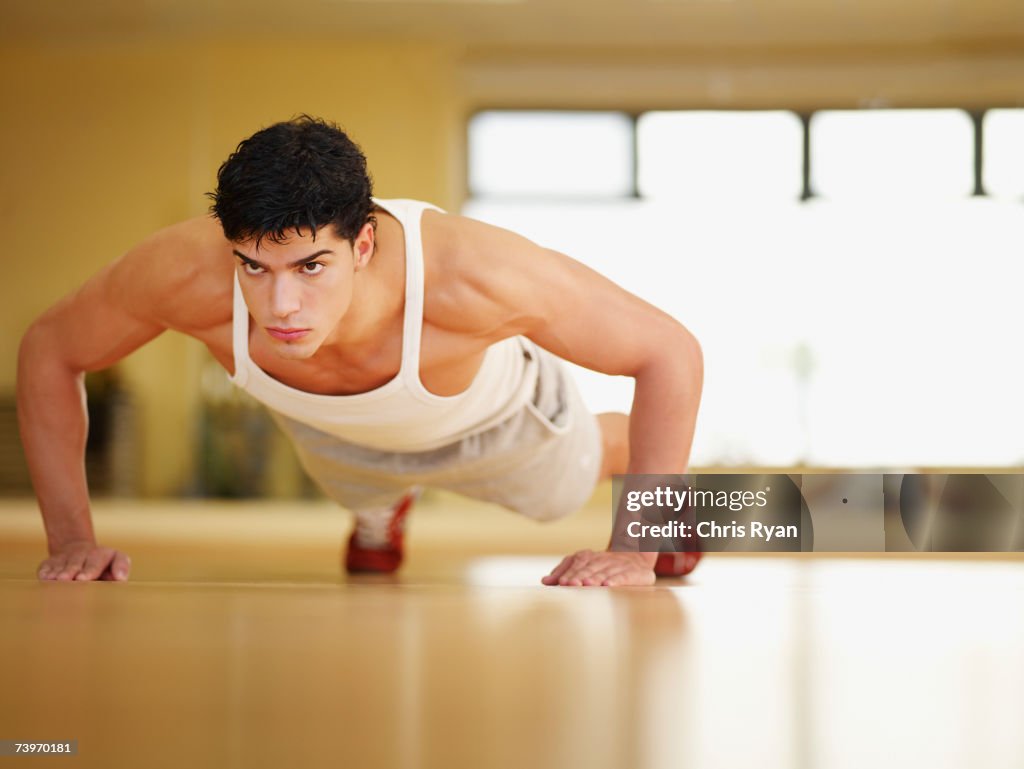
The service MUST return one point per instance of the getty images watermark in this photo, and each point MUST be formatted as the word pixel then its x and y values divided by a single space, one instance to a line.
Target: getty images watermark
pixel 833 512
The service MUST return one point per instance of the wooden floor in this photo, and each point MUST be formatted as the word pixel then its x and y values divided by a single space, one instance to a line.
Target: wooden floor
pixel 238 643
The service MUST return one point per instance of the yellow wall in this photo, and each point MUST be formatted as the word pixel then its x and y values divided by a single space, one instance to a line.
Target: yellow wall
pixel 101 145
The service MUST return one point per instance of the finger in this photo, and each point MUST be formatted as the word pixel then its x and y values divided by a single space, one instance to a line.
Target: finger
pixel 48 569
pixel 570 573
pixel 583 568
pixel 72 566
pixel 615 570
pixel 575 576
pixel 617 573
pixel 558 571
pixel 121 566
pixel 619 577
pixel 96 561
pixel 578 566
pixel 598 577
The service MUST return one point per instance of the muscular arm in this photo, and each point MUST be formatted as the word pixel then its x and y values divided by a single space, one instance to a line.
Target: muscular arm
pixel 125 305
pixel 83 332
pixel 590 321
pixel 517 287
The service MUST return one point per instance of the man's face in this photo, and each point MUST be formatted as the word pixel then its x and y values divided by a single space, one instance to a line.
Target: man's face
pixel 299 290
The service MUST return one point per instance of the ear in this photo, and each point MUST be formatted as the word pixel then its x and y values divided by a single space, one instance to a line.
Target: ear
pixel 362 246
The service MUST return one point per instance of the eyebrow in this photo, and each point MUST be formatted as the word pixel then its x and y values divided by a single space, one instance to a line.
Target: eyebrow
pixel 296 263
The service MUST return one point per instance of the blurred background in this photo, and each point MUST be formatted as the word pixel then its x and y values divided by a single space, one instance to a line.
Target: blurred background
pixel 830 195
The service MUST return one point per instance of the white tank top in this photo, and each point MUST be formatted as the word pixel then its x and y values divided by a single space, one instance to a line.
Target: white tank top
pixel 401 415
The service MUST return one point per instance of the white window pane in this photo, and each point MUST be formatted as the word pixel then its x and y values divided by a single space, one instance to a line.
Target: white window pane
pixel 1004 153
pixel 720 155
pixel 881 154
pixel 551 153
pixel 834 334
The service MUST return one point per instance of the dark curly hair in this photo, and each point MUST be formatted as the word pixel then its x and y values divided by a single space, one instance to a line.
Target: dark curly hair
pixel 302 174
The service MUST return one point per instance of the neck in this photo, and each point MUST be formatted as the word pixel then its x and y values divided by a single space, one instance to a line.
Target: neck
pixel 378 295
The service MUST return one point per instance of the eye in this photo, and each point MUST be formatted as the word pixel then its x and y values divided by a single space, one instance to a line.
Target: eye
pixel 251 269
pixel 312 268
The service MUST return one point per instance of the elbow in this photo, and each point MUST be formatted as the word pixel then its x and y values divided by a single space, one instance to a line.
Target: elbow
pixel 39 347
pixel 675 355
pixel 29 349
pixel 32 341
pixel 691 358
pixel 684 352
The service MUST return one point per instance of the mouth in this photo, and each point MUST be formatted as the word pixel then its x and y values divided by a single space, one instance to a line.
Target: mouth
pixel 288 334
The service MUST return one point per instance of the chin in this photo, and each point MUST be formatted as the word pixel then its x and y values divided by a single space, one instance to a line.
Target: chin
pixel 295 350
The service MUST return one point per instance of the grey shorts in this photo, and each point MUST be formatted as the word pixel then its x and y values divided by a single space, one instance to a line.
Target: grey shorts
pixel 542 462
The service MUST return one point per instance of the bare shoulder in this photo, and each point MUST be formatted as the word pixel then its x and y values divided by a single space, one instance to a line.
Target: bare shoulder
pixel 178 277
pixel 480 279
pixel 492 283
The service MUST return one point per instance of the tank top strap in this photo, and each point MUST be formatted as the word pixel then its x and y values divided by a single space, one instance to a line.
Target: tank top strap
pixel 410 214
pixel 412 327
pixel 240 335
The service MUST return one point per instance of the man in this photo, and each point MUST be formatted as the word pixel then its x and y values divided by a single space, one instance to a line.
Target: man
pixel 397 345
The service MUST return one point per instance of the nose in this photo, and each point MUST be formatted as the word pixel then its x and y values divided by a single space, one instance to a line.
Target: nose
pixel 284 299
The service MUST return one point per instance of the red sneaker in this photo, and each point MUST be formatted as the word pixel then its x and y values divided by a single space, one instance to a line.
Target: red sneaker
pixel 676 564
pixel 376 543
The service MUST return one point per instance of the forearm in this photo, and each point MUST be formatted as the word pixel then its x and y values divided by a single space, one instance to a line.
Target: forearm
pixel 664 413
pixel 661 427
pixel 54 423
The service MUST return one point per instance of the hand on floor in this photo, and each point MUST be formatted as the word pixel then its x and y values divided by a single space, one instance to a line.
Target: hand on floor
pixel 86 561
pixel 607 569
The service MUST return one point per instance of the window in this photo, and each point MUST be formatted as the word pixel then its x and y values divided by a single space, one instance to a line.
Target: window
pixel 892 154
pixel 551 154
pixel 723 155
pixel 874 325
pixel 1004 153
